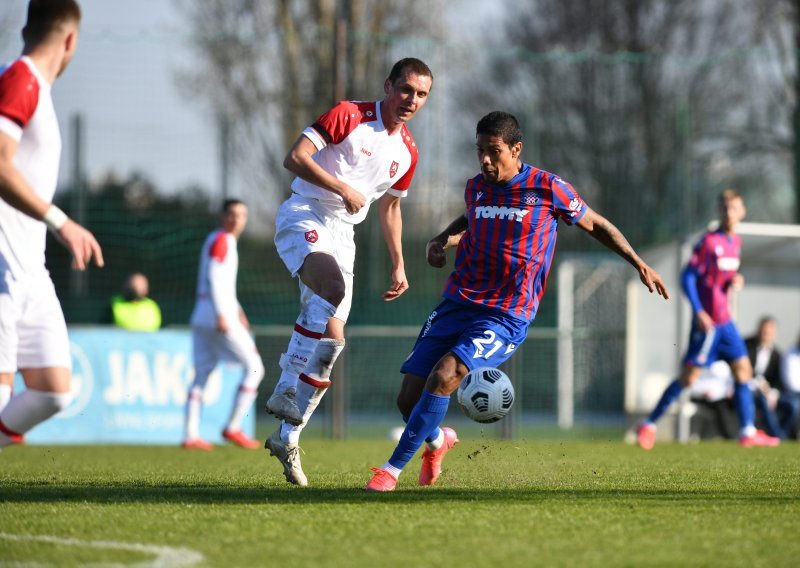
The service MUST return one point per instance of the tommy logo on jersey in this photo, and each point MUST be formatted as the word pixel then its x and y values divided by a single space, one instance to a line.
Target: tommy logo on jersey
pixel 312 236
pixel 496 212
pixel 393 169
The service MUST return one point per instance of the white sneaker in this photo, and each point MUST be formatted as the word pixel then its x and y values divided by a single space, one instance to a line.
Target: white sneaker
pixel 289 456
pixel 284 406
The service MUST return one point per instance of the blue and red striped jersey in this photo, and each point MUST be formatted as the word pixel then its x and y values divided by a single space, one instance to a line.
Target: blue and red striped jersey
pixel 503 259
pixel 716 259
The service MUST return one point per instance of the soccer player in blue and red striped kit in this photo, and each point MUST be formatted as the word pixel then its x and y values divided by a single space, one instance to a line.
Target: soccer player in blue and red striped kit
pixel 709 276
pixel 506 240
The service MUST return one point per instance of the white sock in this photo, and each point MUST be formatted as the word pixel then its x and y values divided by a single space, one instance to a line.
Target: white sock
pixel 437 443
pixel 286 380
pixel 194 407
pixel 5 395
pixel 391 469
pixel 29 408
pixel 308 330
pixel 308 398
pixel 246 395
pixel 244 402
pixel 747 431
pixel 313 385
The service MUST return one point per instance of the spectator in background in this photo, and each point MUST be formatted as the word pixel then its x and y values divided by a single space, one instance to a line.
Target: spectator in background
pixel 133 309
pixel 33 333
pixel 777 410
pixel 790 375
pixel 712 392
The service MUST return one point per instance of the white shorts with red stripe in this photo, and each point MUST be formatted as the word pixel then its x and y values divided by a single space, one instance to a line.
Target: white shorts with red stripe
pixel 33 334
pixel 304 226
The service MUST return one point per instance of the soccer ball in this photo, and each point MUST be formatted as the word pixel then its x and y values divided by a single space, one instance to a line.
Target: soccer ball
pixel 485 395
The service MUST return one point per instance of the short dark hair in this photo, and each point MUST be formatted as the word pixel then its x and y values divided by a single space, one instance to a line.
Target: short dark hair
pixel 502 124
pixel 46 16
pixel 410 64
pixel 766 319
pixel 728 194
pixel 228 203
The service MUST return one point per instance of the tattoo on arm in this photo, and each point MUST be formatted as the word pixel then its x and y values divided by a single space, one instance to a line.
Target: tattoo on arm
pixel 611 237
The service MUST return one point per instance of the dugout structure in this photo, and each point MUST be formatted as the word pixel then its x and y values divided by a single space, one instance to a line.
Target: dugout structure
pixel 657 332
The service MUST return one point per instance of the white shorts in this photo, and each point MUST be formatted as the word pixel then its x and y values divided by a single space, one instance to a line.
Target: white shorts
pixel 33 334
pixel 302 227
pixel 210 347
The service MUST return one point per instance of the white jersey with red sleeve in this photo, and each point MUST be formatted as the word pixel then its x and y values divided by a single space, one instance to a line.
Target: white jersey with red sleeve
pixel 354 146
pixel 216 281
pixel 27 115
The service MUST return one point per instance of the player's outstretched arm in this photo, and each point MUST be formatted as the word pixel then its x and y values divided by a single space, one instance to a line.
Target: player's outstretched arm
pixel 15 191
pixel 604 231
pixel 392 226
pixel 434 251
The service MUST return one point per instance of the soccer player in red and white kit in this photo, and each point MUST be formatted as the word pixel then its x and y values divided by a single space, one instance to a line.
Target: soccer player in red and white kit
pixel 712 272
pixel 355 154
pixel 220 330
pixel 506 239
pixel 33 334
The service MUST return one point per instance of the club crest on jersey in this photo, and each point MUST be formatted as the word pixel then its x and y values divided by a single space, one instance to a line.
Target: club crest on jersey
pixel 312 236
pixel 531 198
pixel 393 169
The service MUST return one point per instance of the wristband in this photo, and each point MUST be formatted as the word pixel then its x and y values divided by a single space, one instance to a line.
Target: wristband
pixel 54 218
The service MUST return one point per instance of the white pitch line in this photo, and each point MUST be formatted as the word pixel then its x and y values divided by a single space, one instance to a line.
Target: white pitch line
pixel 165 556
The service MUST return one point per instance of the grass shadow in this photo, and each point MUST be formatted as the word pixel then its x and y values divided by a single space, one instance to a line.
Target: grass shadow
pixel 289 495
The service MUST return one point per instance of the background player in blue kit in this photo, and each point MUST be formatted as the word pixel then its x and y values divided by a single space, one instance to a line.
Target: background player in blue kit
pixel 712 271
pixel 506 240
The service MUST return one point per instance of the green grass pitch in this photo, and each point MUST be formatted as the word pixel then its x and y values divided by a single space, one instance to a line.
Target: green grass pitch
pixel 498 503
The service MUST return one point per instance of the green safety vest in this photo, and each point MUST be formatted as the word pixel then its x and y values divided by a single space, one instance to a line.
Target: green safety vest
pixel 142 315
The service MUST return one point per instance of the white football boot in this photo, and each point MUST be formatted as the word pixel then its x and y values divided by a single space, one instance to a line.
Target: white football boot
pixel 289 456
pixel 284 406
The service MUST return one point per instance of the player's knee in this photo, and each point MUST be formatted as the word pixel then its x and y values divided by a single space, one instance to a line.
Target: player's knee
pixel 333 292
pixel 442 383
pixel 51 403
pixel 61 401
pixel 254 372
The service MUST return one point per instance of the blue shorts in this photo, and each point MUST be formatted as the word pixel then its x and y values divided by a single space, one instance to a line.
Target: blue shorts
pixel 722 342
pixel 479 337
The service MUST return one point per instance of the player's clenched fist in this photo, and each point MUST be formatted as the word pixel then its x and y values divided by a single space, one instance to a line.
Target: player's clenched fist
pixel 434 252
pixel 354 201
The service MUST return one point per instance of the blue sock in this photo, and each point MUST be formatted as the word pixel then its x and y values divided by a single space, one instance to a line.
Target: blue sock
pixel 424 420
pixel 671 394
pixel 743 401
pixel 434 435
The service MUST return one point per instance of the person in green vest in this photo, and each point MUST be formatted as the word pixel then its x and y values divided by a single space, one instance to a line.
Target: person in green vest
pixel 133 309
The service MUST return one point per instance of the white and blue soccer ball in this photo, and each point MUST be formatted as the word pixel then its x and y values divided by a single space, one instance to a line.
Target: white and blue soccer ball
pixel 485 395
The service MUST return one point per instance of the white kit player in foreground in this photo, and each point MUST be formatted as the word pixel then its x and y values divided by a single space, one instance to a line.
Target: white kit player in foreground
pixel 220 330
pixel 353 155
pixel 33 334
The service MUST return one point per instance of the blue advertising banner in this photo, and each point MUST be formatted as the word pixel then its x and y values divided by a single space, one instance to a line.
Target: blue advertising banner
pixel 130 387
